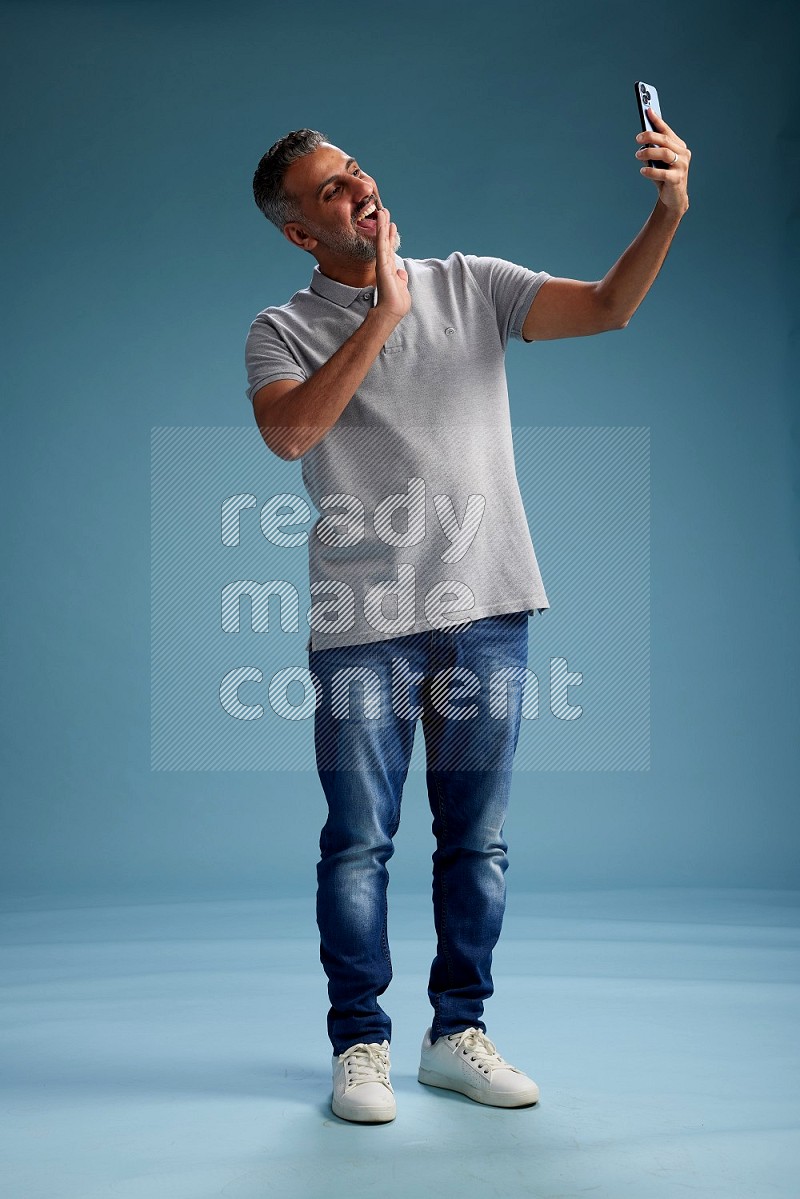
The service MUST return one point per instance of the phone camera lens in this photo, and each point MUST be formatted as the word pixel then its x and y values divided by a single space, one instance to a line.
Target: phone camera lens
pixel 645 95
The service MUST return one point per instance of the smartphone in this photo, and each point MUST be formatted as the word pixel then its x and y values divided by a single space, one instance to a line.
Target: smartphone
pixel 647 97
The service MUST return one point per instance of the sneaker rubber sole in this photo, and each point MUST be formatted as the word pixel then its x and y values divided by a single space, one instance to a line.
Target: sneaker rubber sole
pixel 363 1115
pixel 526 1098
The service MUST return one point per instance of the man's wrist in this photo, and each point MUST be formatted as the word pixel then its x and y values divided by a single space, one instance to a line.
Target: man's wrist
pixel 672 214
pixel 380 319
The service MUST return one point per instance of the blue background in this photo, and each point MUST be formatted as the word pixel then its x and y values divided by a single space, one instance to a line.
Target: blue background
pixel 135 260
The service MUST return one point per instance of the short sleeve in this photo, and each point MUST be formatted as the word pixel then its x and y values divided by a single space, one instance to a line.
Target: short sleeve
pixel 509 290
pixel 267 357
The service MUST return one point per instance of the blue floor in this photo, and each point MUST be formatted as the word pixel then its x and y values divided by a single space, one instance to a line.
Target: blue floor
pixel 178 1051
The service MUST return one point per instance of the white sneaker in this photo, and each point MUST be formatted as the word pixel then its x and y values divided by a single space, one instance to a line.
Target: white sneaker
pixel 361 1087
pixel 468 1062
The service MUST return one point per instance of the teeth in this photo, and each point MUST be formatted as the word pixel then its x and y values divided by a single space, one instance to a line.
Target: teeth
pixel 367 211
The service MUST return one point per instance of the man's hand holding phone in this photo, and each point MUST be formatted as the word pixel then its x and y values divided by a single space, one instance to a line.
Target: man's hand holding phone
pixel 666 156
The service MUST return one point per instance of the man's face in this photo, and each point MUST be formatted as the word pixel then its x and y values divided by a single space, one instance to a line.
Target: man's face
pixel 333 191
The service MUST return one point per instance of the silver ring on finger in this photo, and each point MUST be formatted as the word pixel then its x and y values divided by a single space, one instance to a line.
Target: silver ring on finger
pixel 675 159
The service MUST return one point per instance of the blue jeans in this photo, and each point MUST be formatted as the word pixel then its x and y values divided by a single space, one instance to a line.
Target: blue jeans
pixel 471 727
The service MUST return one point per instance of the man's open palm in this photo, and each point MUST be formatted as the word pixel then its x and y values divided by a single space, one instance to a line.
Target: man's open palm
pixel 393 294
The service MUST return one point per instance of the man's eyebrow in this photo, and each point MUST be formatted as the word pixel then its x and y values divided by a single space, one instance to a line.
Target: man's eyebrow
pixel 333 178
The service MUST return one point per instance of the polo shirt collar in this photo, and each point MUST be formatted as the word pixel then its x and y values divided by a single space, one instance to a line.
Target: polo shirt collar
pixel 341 293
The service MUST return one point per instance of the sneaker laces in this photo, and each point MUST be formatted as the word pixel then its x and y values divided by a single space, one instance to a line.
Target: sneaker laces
pixel 476 1045
pixel 366 1063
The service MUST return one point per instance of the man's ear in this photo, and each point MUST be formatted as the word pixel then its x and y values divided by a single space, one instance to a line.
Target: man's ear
pixel 297 235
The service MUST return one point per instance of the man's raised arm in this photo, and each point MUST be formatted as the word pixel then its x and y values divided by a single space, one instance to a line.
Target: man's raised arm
pixel 574 308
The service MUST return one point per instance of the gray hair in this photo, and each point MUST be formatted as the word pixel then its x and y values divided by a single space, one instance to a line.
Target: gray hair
pixel 278 205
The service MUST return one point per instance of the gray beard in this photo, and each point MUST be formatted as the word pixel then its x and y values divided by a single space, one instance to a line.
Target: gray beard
pixel 364 249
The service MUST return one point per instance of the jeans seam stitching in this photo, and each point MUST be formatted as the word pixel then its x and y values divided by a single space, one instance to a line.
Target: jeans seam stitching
pixel 443 884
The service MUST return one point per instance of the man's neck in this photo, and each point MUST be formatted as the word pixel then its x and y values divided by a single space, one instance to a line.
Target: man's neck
pixel 353 274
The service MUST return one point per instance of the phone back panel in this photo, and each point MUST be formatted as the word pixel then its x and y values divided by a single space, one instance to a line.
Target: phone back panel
pixel 647 97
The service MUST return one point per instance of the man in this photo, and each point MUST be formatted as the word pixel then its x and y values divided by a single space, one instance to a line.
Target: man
pixel 387 375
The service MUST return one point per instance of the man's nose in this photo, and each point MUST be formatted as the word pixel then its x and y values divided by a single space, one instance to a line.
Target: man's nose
pixel 367 188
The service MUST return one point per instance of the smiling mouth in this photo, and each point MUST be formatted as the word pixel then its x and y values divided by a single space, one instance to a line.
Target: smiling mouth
pixel 369 223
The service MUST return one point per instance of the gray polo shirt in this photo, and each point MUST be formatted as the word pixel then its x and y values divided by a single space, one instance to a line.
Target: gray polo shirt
pixel 420 519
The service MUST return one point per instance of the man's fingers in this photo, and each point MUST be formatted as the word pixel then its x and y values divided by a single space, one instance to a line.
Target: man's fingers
pixel 383 232
pixel 662 152
pixel 663 128
pixel 669 142
pixel 669 176
pixel 658 121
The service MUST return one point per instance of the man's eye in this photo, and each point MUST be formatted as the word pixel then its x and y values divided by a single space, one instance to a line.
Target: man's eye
pixel 334 190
